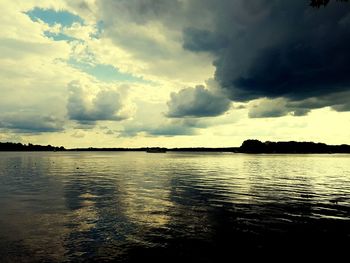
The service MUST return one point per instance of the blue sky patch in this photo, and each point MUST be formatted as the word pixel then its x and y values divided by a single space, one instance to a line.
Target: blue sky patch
pixel 52 17
pixel 106 73
pixel 99 29
pixel 59 36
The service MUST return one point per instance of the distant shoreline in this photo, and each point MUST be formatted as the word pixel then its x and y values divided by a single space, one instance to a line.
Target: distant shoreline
pixel 248 146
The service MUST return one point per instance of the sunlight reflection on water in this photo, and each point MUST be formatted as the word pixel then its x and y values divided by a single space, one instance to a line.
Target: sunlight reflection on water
pixel 72 206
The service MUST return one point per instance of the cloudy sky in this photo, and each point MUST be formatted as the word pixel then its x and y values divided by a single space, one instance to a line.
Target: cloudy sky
pixel 131 73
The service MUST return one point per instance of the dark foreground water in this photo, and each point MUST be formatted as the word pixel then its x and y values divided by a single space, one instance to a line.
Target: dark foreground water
pixel 101 206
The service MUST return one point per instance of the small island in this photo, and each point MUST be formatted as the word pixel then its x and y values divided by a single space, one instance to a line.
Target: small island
pixel 250 146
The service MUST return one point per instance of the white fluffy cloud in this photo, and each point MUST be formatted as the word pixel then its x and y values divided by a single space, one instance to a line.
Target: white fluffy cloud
pixel 106 105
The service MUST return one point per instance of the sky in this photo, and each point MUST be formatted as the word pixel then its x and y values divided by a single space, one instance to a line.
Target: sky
pixel 173 73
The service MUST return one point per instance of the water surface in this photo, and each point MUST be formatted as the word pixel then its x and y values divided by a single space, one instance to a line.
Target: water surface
pixel 133 206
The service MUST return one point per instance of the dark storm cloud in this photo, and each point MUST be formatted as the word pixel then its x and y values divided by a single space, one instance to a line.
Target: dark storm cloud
pixel 278 107
pixel 339 101
pixel 105 106
pixel 268 109
pixel 277 49
pixel 262 48
pixel 272 108
pixel 139 11
pixel 342 107
pixel 196 102
pixel 30 123
pixel 203 40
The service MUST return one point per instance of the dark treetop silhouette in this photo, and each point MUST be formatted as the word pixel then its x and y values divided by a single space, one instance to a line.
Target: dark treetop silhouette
pixel 256 146
pixel 319 3
pixel 9 146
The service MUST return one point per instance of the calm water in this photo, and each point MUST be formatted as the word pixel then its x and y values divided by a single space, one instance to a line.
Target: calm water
pixel 101 206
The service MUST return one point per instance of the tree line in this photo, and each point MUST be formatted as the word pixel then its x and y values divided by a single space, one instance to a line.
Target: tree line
pixel 10 146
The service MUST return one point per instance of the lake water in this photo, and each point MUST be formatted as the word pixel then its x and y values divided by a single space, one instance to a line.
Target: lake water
pixel 135 206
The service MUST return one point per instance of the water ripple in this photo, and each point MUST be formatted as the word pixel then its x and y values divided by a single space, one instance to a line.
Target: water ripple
pixel 78 207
